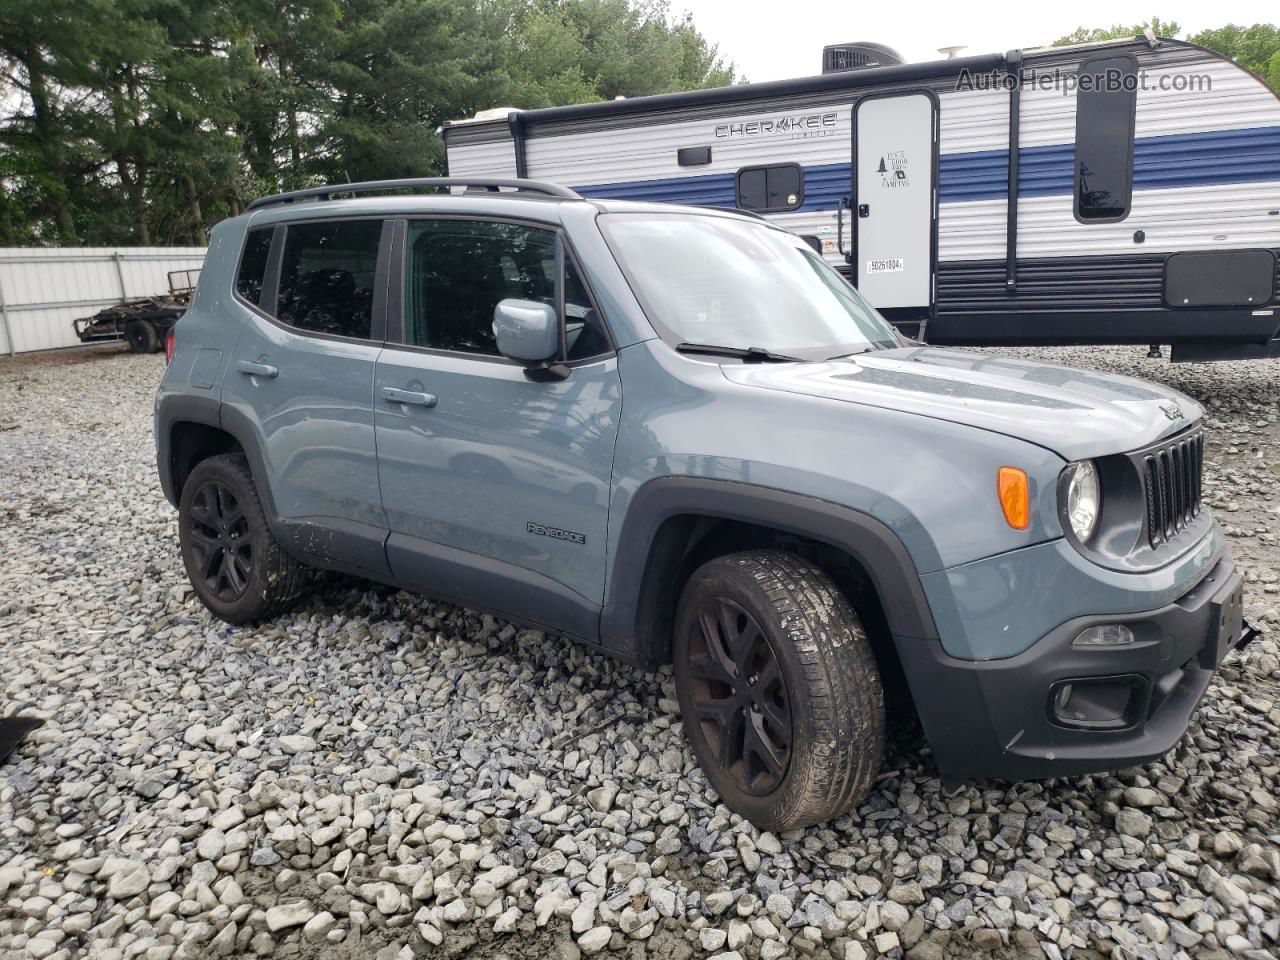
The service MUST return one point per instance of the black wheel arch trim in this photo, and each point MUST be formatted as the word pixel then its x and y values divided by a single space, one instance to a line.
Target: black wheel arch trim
pixel 209 411
pixel 623 627
pixel 171 410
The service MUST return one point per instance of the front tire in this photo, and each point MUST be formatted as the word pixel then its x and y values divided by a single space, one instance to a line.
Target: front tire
pixel 235 565
pixel 778 689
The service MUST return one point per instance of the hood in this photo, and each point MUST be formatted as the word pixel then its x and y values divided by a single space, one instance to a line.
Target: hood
pixel 1078 414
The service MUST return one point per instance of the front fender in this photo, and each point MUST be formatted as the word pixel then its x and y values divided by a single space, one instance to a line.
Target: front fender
pixel 627 618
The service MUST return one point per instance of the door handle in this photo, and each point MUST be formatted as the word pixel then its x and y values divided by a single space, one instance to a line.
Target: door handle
pixel 258 369
pixel 411 397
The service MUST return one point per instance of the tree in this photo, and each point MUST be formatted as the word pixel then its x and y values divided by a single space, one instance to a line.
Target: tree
pixel 579 51
pixel 1256 48
pixel 1161 28
pixel 144 121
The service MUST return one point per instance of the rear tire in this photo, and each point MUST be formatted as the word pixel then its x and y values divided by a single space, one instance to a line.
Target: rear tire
pixel 235 565
pixel 778 689
pixel 142 336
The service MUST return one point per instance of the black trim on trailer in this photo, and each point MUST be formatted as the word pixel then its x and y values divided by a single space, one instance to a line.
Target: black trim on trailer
pixel 1070 290
pixel 693 156
pixel 1011 217
pixel 516 125
pixel 467 132
pixel 1066 327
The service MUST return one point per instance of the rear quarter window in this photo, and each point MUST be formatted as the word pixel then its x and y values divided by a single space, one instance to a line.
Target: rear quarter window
pixel 253 264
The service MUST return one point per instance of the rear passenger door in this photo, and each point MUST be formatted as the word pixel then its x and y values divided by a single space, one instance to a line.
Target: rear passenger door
pixel 302 381
pixel 485 470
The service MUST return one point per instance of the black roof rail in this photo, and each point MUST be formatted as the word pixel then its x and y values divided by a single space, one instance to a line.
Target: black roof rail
pixel 491 184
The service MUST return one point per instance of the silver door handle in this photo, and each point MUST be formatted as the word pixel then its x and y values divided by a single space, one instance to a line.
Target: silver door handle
pixel 395 395
pixel 258 369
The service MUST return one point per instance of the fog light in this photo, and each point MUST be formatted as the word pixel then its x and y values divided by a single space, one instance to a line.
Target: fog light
pixel 1098 703
pixel 1104 635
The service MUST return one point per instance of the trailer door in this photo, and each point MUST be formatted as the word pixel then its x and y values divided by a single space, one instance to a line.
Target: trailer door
pixel 895 201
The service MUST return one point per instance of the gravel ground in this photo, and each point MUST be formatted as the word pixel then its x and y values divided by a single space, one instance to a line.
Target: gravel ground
pixel 380 775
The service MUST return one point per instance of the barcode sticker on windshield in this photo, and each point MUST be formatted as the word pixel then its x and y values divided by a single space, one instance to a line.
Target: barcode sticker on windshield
pixel 891 265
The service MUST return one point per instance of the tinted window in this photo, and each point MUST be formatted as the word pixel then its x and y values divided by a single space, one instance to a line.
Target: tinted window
pixel 459 270
pixel 771 188
pixel 1105 104
pixel 253 263
pixel 327 277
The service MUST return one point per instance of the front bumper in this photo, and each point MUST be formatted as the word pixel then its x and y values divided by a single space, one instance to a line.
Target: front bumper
pixel 1003 719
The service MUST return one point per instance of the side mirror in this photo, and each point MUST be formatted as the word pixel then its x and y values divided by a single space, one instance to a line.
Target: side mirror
pixel 813 241
pixel 529 332
pixel 526 330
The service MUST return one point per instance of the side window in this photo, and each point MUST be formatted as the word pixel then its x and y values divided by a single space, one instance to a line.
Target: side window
pixel 327 277
pixel 458 270
pixel 779 187
pixel 253 263
pixel 1106 101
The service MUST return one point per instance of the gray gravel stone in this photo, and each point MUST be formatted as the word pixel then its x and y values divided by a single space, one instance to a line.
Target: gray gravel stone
pixel 381 774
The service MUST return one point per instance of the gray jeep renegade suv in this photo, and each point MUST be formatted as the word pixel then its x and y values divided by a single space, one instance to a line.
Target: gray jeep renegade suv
pixel 676 435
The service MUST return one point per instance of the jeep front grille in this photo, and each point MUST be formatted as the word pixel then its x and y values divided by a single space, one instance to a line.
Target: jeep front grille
pixel 1171 478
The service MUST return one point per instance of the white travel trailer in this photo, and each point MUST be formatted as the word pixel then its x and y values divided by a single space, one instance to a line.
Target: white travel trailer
pixel 1118 192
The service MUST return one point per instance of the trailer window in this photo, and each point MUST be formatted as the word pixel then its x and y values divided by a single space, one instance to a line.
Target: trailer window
pixel 253 264
pixel 1106 101
pixel 779 187
pixel 327 277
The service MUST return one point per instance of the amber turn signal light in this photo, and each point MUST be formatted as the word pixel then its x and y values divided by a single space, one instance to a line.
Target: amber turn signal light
pixel 1015 496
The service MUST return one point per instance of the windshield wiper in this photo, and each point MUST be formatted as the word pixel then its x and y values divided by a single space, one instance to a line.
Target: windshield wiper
pixel 748 354
pixel 853 353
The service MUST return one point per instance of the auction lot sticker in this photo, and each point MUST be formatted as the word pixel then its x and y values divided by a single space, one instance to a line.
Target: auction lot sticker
pixel 891 265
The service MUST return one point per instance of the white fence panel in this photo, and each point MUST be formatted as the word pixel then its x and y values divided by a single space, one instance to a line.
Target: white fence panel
pixel 42 289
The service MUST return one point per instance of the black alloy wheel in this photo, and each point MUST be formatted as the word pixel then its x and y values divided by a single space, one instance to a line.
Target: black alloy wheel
pixel 778 688
pixel 221 541
pixel 740 696
pixel 233 561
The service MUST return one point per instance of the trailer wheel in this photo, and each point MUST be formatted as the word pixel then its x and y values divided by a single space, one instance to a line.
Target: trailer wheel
pixel 142 336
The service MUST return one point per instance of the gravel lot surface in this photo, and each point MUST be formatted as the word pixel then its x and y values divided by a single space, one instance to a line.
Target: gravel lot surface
pixel 380 775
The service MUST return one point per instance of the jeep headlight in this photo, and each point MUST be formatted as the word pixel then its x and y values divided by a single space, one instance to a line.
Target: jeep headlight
pixel 1084 499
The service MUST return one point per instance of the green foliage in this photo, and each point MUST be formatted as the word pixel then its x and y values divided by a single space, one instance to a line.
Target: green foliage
pixel 1161 28
pixel 1256 48
pixel 145 121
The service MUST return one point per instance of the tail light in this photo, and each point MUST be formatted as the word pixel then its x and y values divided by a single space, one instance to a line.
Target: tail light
pixel 168 347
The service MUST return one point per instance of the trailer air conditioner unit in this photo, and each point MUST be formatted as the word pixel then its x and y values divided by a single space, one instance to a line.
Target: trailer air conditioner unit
pixel 841 57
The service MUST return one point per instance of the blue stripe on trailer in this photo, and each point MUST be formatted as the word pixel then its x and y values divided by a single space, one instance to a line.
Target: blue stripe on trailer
pixel 1176 160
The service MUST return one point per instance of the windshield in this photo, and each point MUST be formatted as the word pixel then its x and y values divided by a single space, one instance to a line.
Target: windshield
pixel 731 282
